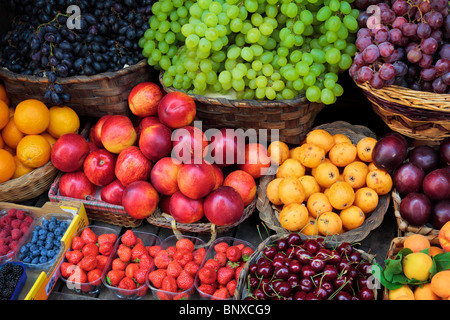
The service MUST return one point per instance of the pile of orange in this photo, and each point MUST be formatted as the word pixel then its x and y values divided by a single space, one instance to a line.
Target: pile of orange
pixel 435 287
pixel 327 185
pixel 28 132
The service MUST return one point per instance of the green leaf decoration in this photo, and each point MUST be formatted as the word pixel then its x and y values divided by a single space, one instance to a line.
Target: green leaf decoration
pixel 441 262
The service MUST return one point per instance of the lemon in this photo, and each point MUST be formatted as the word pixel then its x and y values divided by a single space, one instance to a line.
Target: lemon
pixel 417 266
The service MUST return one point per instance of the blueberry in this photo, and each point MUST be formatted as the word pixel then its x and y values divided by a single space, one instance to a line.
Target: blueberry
pixel 35 261
pixel 27 259
pixel 51 253
pixel 43 259
pixel 24 249
pixel 51 226
pixel 45 223
pixel 42 236
pixel 50 235
pixel 35 253
pixel 42 231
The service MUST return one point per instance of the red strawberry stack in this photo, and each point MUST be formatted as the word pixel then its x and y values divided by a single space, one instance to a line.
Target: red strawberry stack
pixel 218 277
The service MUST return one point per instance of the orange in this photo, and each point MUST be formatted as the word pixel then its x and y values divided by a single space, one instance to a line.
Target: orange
pixel 424 292
pixel 342 154
pixel 10 150
pixel 416 242
pixel 355 174
pixel 366 199
pixel 291 191
pixel 380 181
pixel 371 166
pixel 339 138
pixel 321 138
pixel 2 143
pixel 7 166
pixel 311 155
pixel 290 168
pixel 326 174
pixel 62 120
pixel 341 195
pixel 32 116
pixel 50 139
pixel 272 191
pixel 313 170
pixel 403 291
pixel 311 228
pixel 33 150
pixel 294 153
pixel 317 204
pixel 329 223
pixel 21 169
pixel 4 114
pixel 278 152
pixel 434 251
pixel 364 148
pixel 440 284
pixel 294 217
pixel 310 185
pixel 352 217
pixel 11 134
pixel 4 95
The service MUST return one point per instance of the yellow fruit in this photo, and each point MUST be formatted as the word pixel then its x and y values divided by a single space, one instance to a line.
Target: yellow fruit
pixel 4 114
pixel 404 290
pixel 434 251
pixel 321 138
pixel 7 165
pixel 440 284
pixel 366 199
pixel 326 174
pixel 355 174
pixel 329 223
pixel 291 190
pixel 342 154
pixel 272 191
pixel 311 155
pixel 50 139
pixel 365 147
pixel 63 120
pixel 425 292
pixel 32 116
pixel 311 228
pixel 33 150
pixel 341 195
pixel 339 138
pixel 417 265
pixel 21 169
pixel 416 242
pixel 290 168
pixel 294 217
pixel 380 181
pixel 310 185
pixel 278 152
pixel 317 204
pixel 352 217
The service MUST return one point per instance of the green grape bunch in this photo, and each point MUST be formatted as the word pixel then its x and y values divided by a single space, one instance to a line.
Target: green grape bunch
pixel 252 49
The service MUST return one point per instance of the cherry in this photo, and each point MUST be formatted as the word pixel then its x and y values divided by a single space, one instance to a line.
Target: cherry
pixel 321 293
pixel 253 282
pixel 269 252
pixel 343 266
pixel 265 270
pixel 311 245
pixel 317 264
pixel 295 266
pixel 362 282
pixel 294 239
pixel 328 287
pixel 366 294
pixel 330 272
pixel 343 295
pixel 306 284
pixel 266 286
pixel 293 280
pixel 259 294
pixel 365 268
pixel 334 257
pixel 279 254
pixel 323 254
pixel 263 260
pixel 282 288
pixel 352 272
pixel 355 256
pixel 252 268
pixel 300 295
pixel 343 282
pixel 303 257
pixel 344 248
pixel 311 296
pixel 281 273
pixel 282 245
pixel 308 271
pixel 278 262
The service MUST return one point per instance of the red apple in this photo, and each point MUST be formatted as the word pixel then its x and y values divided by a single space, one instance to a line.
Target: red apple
pixel 118 133
pixel 223 206
pixel 196 180
pixel 144 99
pixel 177 110
pixel 132 165
pixel 96 131
pixel 243 183
pixel 256 160
pixel 164 175
pixel 190 144
pixel 144 123
pixel 219 176
pixel 112 193
pixel 140 199
pixel 99 167
pixel 69 152
pixel 184 209
pixel 155 141
pixel 76 185
pixel 227 147
pixel 92 146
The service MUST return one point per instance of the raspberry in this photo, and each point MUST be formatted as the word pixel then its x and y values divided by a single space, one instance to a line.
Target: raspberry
pixel 15 224
pixel 4 250
pixel 20 214
pixel 28 219
pixel 24 228
pixel 5 220
pixel 13 245
pixel 16 234
pixel 12 213
pixel 4 233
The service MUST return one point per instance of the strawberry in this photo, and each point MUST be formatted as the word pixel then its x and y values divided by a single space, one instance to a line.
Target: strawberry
pixel 90 249
pixel 78 276
pixel 185 281
pixel 74 256
pixel 233 265
pixel 171 250
pixel 162 259
pixel 221 258
pixel 192 268
pixel 77 243
pixel 107 238
pixel 153 250
pixel 118 264
pixel 238 271
pixel 88 235
pixel 127 283
pixel 234 253
pixel 106 248
pixel 145 262
pixel 207 275
pixel 231 287
pixel 129 238
pixel 124 253
pixel 113 277
pixel 220 294
pixel 224 275
pixel 130 269
pixel 137 251
pixel 183 256
pixel 174 269
pixel 185 243
pixel 212 263
pixel 169 284
pixel 198 255
pixel 246 253
pixel 101 261
pixel 221 247
pixel 67 269
pixel 206 289
pixel 88 263
pixel 240 246
pixel 140 275
pixel 94 277
pixel 156 277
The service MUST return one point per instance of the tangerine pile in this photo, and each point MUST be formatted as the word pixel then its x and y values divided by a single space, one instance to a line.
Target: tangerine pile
pixel 327 185
pixel 28 132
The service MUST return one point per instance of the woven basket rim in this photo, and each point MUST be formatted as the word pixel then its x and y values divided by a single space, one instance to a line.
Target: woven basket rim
pixel 67 80
pixel 28 178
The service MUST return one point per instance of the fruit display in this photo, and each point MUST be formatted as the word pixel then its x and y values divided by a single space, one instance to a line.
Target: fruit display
pixel 14 226
pixel 218 275
pixel 328 184
pixel 60 39
pixel 261 50
pixel 176 263
pixel 404 43
pixel 12 280
pixel 419 270
pixel 290 268
pixel 129 270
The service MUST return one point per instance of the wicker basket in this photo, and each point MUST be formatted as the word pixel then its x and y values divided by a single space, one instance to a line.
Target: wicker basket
pixel 241 288
pixel 269 213
pixel 97 95
pixel 417 114
pixel 396 246
pixel 292 118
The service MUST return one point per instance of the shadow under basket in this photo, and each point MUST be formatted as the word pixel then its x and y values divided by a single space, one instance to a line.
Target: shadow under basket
pixel 421 115
pixel 95 96
pixel 292 118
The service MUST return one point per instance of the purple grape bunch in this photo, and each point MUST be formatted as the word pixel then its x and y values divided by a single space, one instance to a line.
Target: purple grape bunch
pixel 403 43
